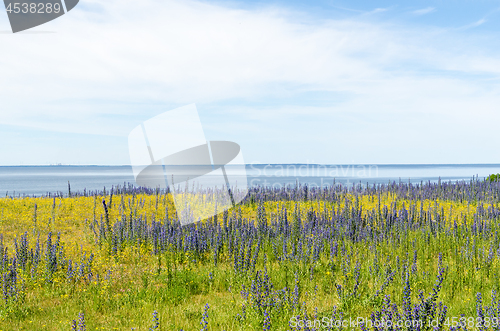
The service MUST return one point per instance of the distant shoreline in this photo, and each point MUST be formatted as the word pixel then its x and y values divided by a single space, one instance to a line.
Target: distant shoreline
pixel 279 164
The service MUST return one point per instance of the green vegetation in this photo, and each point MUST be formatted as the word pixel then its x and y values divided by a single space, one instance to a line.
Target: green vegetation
pixel 284 257
pixel 493 178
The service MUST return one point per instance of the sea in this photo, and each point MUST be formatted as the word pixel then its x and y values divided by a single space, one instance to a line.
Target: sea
pixel 45 180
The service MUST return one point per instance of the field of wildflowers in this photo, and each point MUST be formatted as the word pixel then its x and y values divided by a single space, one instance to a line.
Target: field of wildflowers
pixel 397 256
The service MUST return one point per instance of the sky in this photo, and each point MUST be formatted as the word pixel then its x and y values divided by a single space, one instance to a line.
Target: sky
pixel 331 82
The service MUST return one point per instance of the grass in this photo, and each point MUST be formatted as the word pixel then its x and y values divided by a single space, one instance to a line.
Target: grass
pixel 272 259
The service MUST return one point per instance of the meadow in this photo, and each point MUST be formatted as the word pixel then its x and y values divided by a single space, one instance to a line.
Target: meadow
pixel 395 256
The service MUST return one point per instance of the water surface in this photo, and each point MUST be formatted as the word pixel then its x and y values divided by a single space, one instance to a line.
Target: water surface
pixel 40 180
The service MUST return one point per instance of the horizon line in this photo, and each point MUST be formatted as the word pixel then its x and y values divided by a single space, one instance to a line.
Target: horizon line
pixel 260 164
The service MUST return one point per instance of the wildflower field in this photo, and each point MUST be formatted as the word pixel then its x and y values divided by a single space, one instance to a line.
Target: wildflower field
pixel 296 258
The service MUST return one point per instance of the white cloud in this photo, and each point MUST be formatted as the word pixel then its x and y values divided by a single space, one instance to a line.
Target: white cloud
pixel 105 71
pixel 473 25
pixel 424 11
pixel 378 10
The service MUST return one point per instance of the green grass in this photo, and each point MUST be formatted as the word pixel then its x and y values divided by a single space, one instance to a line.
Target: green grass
pixel 178 285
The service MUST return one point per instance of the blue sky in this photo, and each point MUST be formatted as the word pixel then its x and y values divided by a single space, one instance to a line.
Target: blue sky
pixel 338 82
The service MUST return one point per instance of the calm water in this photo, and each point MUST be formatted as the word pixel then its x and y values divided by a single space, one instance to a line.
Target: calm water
pixel 39 180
